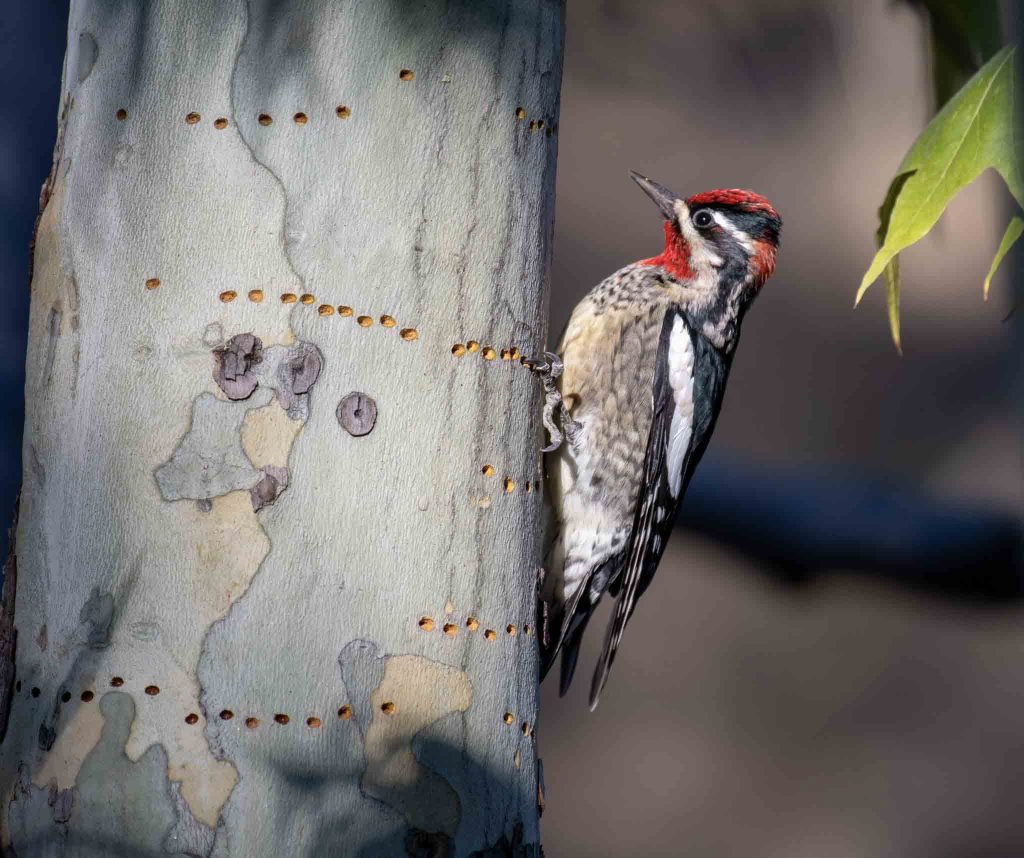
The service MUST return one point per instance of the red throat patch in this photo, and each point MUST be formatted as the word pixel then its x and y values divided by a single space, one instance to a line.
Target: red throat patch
pixel 675 258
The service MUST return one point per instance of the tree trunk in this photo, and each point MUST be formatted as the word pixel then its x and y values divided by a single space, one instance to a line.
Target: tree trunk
pixel 279 529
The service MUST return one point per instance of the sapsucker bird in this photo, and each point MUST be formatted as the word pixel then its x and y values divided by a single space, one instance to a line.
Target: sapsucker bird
pixel 638 382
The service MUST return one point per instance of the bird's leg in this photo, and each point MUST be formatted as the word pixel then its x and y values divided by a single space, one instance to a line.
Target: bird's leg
pixel 549 369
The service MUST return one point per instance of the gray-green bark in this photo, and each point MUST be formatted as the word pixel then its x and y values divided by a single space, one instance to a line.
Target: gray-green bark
pixel 204 546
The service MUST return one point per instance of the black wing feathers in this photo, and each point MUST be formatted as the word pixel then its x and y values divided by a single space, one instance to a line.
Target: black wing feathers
pixel 648 535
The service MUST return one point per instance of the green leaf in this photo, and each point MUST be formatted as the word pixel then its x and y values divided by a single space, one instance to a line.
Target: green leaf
pixel 892 300
pixel 1014 229
pixel 892 270
pixel 974 131
pixel 885 209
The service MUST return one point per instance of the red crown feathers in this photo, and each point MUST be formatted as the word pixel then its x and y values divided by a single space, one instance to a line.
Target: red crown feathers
pixel 735 198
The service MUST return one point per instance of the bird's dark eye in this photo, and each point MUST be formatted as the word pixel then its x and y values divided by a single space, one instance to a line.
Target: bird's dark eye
pixel 703 219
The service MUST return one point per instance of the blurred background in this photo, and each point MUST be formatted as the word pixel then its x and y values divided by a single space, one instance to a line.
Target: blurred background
pixel 831 659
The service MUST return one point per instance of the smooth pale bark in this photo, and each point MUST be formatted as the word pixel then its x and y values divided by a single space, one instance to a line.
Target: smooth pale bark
pixel 381 602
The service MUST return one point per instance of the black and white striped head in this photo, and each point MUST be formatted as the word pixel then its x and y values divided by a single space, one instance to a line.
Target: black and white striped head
pixel 709 232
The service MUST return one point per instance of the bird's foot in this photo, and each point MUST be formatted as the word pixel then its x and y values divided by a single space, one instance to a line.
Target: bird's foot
pixel 549 368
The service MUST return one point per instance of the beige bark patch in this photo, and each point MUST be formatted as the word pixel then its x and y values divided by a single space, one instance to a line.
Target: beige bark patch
pixel 205 782
pixel 230 546
pixel 268 434
pixel 75 742
pixel 420 692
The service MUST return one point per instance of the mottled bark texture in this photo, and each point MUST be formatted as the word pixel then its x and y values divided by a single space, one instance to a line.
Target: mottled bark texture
pixel 243 630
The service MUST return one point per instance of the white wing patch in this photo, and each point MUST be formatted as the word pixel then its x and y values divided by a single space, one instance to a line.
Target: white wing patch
pixel 680 377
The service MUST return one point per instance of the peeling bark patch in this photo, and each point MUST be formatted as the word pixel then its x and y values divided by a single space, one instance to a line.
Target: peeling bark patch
pixel 357 413
pixel 423 691
pixel 243 364
pixel 230 545
pixel 298 370
pixel 266 491
pixel 209 461
pixel 78 736
pixel 27 814
pixel 268 434
pixel 233 365
pixel 107 778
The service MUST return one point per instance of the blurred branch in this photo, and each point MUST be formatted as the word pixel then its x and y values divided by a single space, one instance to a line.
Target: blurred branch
pixel 800 524
pixel 963 36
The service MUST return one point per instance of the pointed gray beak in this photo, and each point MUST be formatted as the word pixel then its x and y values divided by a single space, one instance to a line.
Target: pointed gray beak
pixel 662 196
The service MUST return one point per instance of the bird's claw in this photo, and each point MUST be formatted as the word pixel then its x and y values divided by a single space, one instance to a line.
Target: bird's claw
pixel 550 369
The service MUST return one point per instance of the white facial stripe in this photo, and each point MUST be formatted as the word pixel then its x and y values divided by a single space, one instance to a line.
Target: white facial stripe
pixel 703 260
pixel 734 231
